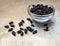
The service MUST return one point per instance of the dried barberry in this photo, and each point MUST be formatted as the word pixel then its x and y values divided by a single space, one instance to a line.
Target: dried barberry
pixel 21 29
pixel 46 29
pixel 34 32
pixel 30 29
pixel 11 29
pixel 12 25
pixel 45 24
pixel 11 22
pixel 26 31
pixel 6 26
pixel 32 25
pixel 18 32
pixel 13 33
pixel 22 34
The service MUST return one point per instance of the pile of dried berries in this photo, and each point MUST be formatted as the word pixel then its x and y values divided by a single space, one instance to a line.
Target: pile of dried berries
pixel 41 9
pixel 21 31
pixel 11 27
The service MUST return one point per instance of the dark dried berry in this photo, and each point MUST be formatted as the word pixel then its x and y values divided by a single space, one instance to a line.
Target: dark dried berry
pixel 21 29
pixel 30 29
pixel 13 33
pixel 34 32
pixel 32 25
pixel 11 22
pixel 12 25
pixel 22 34
pixel 11 29
pixel 6 26
pixel 45 24
pixel 26 31
pixel 20 24
pixel 22 21
pixel 46 29
pixel 33 5
pixel 28 19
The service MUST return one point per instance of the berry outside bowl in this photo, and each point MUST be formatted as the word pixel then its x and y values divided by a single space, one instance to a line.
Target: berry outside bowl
pixel 41 18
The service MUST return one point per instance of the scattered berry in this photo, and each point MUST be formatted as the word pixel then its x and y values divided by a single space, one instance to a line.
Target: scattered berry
pixel 25 30
pixel 22 21
pixel 21 29
pixel 29 20
pixel 6 26
pixel 12 25
pixel 34 32
pixel 11 29
pixel 13 33
pixel 32 25
pixel 45 24
pixel 46 29
pixel 21 33
pixel 20 24
pixel 11 22
pixel 30 29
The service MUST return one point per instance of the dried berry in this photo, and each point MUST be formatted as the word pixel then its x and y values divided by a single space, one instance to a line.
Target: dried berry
pixel 26 31
pixel 11 22
pixel 22 34
pixel 6 26
pixel 34 32
pixel 11 29
pixel 20 24
pixel 30 29
pixel 13 33
pixel 32 25
pixel 22 21
pixel 46 29
pixel 12 25
pixel 29 20
pixel 45 24
pixel 33 5
pixel 21 29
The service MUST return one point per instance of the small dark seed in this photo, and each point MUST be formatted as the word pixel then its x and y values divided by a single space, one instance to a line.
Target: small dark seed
pixel 11 29
pixel 22 34
pixel 32 25
pixel 25 30
pixel 46 29
pixel 28 19
pixel 30 29
pixel 34 32
pixel 20 24
pixel 45 24
pixel 11 22
pixel 22 21
pixel 6 26
pixel 13 33
pixel 21 29
pixel 33 5
pixel 12 25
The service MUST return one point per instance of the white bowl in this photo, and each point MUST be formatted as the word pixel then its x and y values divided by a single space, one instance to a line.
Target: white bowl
pixel 41 18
